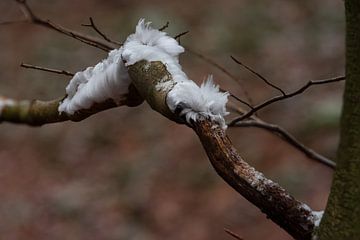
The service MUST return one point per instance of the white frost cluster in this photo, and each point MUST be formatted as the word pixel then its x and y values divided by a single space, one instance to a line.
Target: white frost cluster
pixel 153 45
pixel 109 78
pixel 193 101
pixel 196 102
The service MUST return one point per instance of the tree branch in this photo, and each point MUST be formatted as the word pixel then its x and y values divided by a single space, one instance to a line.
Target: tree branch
pixel 296 218
pixel 166 25
pixel 258 75
pixel 37 113
pixel 232 234
pixel 286 96
pixel 287 137
pixel 93 26
pixel 62 72
pixel 89 40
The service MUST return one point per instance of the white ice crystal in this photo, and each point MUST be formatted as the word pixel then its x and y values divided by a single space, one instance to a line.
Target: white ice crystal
pixel 196 102
pixel 107 80
pixel 151 44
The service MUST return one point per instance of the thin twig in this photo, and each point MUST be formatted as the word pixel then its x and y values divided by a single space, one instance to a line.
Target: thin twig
pixel 164 27
pixel 240 100
pixel 63 72
pixel 232 234
pixel 236 97
pixel 287 95
pixel 93 26
pixel 181 34
pixel 92 41
pixel 258 75
pixel 226 72
pixel 286 136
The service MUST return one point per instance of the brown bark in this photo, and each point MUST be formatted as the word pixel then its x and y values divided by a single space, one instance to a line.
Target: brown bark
pixel 293 216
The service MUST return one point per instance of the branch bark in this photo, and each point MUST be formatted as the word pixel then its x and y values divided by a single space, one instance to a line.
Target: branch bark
pixel 295 217
pixel 37 113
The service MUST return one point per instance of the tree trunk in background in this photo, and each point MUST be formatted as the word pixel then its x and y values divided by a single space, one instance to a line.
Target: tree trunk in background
pixel 342 217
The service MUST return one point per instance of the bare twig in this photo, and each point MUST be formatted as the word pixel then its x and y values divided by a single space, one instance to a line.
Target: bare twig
pixel 232 234
pixel 287 95
pixel 93 26
pixel 286 136
pixel 181 34
pixel 89 40
pixel 240 100
pixel 164 27
pixel 226 72
pixel 63 72
pixel 236 98
pixel 258 75
pixel 283 134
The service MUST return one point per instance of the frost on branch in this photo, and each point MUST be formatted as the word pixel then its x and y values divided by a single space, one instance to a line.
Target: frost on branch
pixel 194 102
pixel 107 80
pixel 184 97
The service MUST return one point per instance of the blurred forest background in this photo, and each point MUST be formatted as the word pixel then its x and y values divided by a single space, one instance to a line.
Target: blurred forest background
pixel 129 173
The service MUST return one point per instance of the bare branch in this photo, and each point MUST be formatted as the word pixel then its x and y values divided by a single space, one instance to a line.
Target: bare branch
pixel 226 72
pixel 232 234
pixel 258 75
pixel 287 95
pixel 93 26
pixel 37 113
pixel 89 40
pixel 164 27
pixel 63 72
pixel 293 216
pixel 181 34
pixel 286 136
pixel 240 100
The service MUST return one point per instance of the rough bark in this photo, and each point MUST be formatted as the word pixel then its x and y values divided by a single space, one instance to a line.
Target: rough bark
pixel 293 216
pixel 146 77
pixel 342 216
